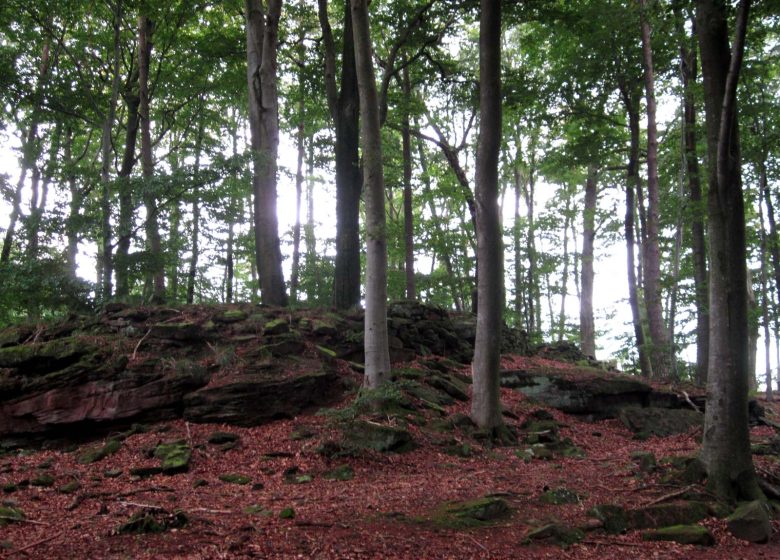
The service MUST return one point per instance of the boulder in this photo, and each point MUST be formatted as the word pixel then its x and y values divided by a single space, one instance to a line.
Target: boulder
pixel 750 522
pixel 682 534
pixel 254 399
pixel 659 421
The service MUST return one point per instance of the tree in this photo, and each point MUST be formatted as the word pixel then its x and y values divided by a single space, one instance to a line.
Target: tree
pixel 486 403
pixel 262 26
pixel 375 334
pixel 726 446
pixel 587 326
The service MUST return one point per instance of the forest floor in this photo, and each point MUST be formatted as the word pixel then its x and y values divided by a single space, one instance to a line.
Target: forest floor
pixel 287 506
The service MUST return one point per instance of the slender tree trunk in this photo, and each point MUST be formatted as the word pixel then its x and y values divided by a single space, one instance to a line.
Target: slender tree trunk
pixel 533 292
pixel 74 213
pixel 105 259
pixel 375 332
pixel 125 222
pixel 152 228
pixel 565 273
pixel 765 297
pixel 753 328
pixel 689 64
pixel 309 238
pixel 344 109
pixel 587 323
pixel 726 446
pixel 301 140
pixel 652 257
pixel 517 246
pixel 406 138
pixel 192 272
pixel 486 398
pixel 262 33
pixel 229 273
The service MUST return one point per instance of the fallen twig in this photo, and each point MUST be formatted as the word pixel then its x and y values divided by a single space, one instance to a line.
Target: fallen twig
pixel 690 402
pixel 144 506
pixel 476 542
pixel 670 495
pixel 25 548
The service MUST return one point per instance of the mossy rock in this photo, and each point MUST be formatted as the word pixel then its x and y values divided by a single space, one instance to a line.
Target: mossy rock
pixel 184 331
pixel 10 514
pixel 112 473
pixel 685 470
pixel 458 449
pixel 682 534
pixel 174 456
pixel 283 345
pixel 320 327
pixel 70 487
pixel 96 454
pixel 302 433
pixel 644 460
pixel 10 487
pixel 449 385
pixel 256 509
pixel 430 397
pixel 613 518
pixel 220 438
pixel 471 513
pixel 276 327
pixel 560 496
pixel 153 522
pixel 556 534
pixel 287 513
pixel 144 472
pixel 235 478
pixel 231 316
pixel 750 522
pixel 666 515
pixel 43 481
pixel 377 437
pixel 342 472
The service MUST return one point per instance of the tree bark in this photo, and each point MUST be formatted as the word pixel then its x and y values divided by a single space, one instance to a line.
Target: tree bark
pixel 125 222
pixel 156 270
pixel 726 445
pixel 301 140
pixel 261 33
pixel 587 323
pixel 192 273
pixel 406 140
pixel 660 353
pixel 377 352
pixel 486 403
pixel 105 258
pixel 344 109
pixel 765 304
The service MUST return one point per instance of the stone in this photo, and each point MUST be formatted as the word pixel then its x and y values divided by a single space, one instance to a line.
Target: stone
pixel 174 456
pixel 614 518
pixel 70 487
pixel 750 522
pixel 449 385
pixel 682 534
pixel 154 521
pixel 560 535
pixel 667 514
pixel 10 514
pixel 96 454
pixel 363 435
pixel 254 399
pixel 287 513
pixel 342 473
pixel 560 496
pixel 660 422
pixel 230 316
pixel 219 438
pixel 235 478
pixel 276 327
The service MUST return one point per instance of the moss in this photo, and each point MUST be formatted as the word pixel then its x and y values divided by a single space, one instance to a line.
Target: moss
pixel 470 513
pixel 683 534
pixel 560 496
pixel 174 456
pixel 613 518
pixel 10 514
pixel 70 487
pixel 342 472
pixel 96 454
pixel 287 513
pixel 276 326
pixel 112 473
pixel 235 478
pixel 257 509
pixel 666 515
pixel 559 535
pixel 44 481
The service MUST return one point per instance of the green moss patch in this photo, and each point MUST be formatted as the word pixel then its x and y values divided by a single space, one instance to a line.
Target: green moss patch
pixel 9 514
pixel 235 478
pixel 96 454
pixel 470 513
pixel 174 456
pixel 556 534
pixel 683 534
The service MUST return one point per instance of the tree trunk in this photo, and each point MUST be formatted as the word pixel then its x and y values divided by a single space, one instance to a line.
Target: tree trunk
pixel 486 399
pixel 74 207
pixel 375 333
pixel 533 292
pixel 310 239
pixel 344 109
pixel 517 247
pixel 652 257
pixel 406 138
pixel 301 139
pixel 105 258
pixel 156 270
pixel 125 222
pixel 726 446
pixel 192 272
pixel 587 323
pixel 565 274
pixel 689 72
pixel 765 304
pixel 261 34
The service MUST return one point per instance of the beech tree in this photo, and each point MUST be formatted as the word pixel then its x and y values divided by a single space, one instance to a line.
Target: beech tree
pixel 726 446
pixel 262 27
pixel 486 404
pixel 377 352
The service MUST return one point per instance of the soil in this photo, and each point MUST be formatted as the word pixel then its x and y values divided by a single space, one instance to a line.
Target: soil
pixel 289 509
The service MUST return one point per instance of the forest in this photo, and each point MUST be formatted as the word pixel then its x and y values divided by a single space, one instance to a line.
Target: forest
pixel 228 193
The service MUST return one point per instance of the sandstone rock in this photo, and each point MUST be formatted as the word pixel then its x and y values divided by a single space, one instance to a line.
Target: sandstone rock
pixel 750 522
